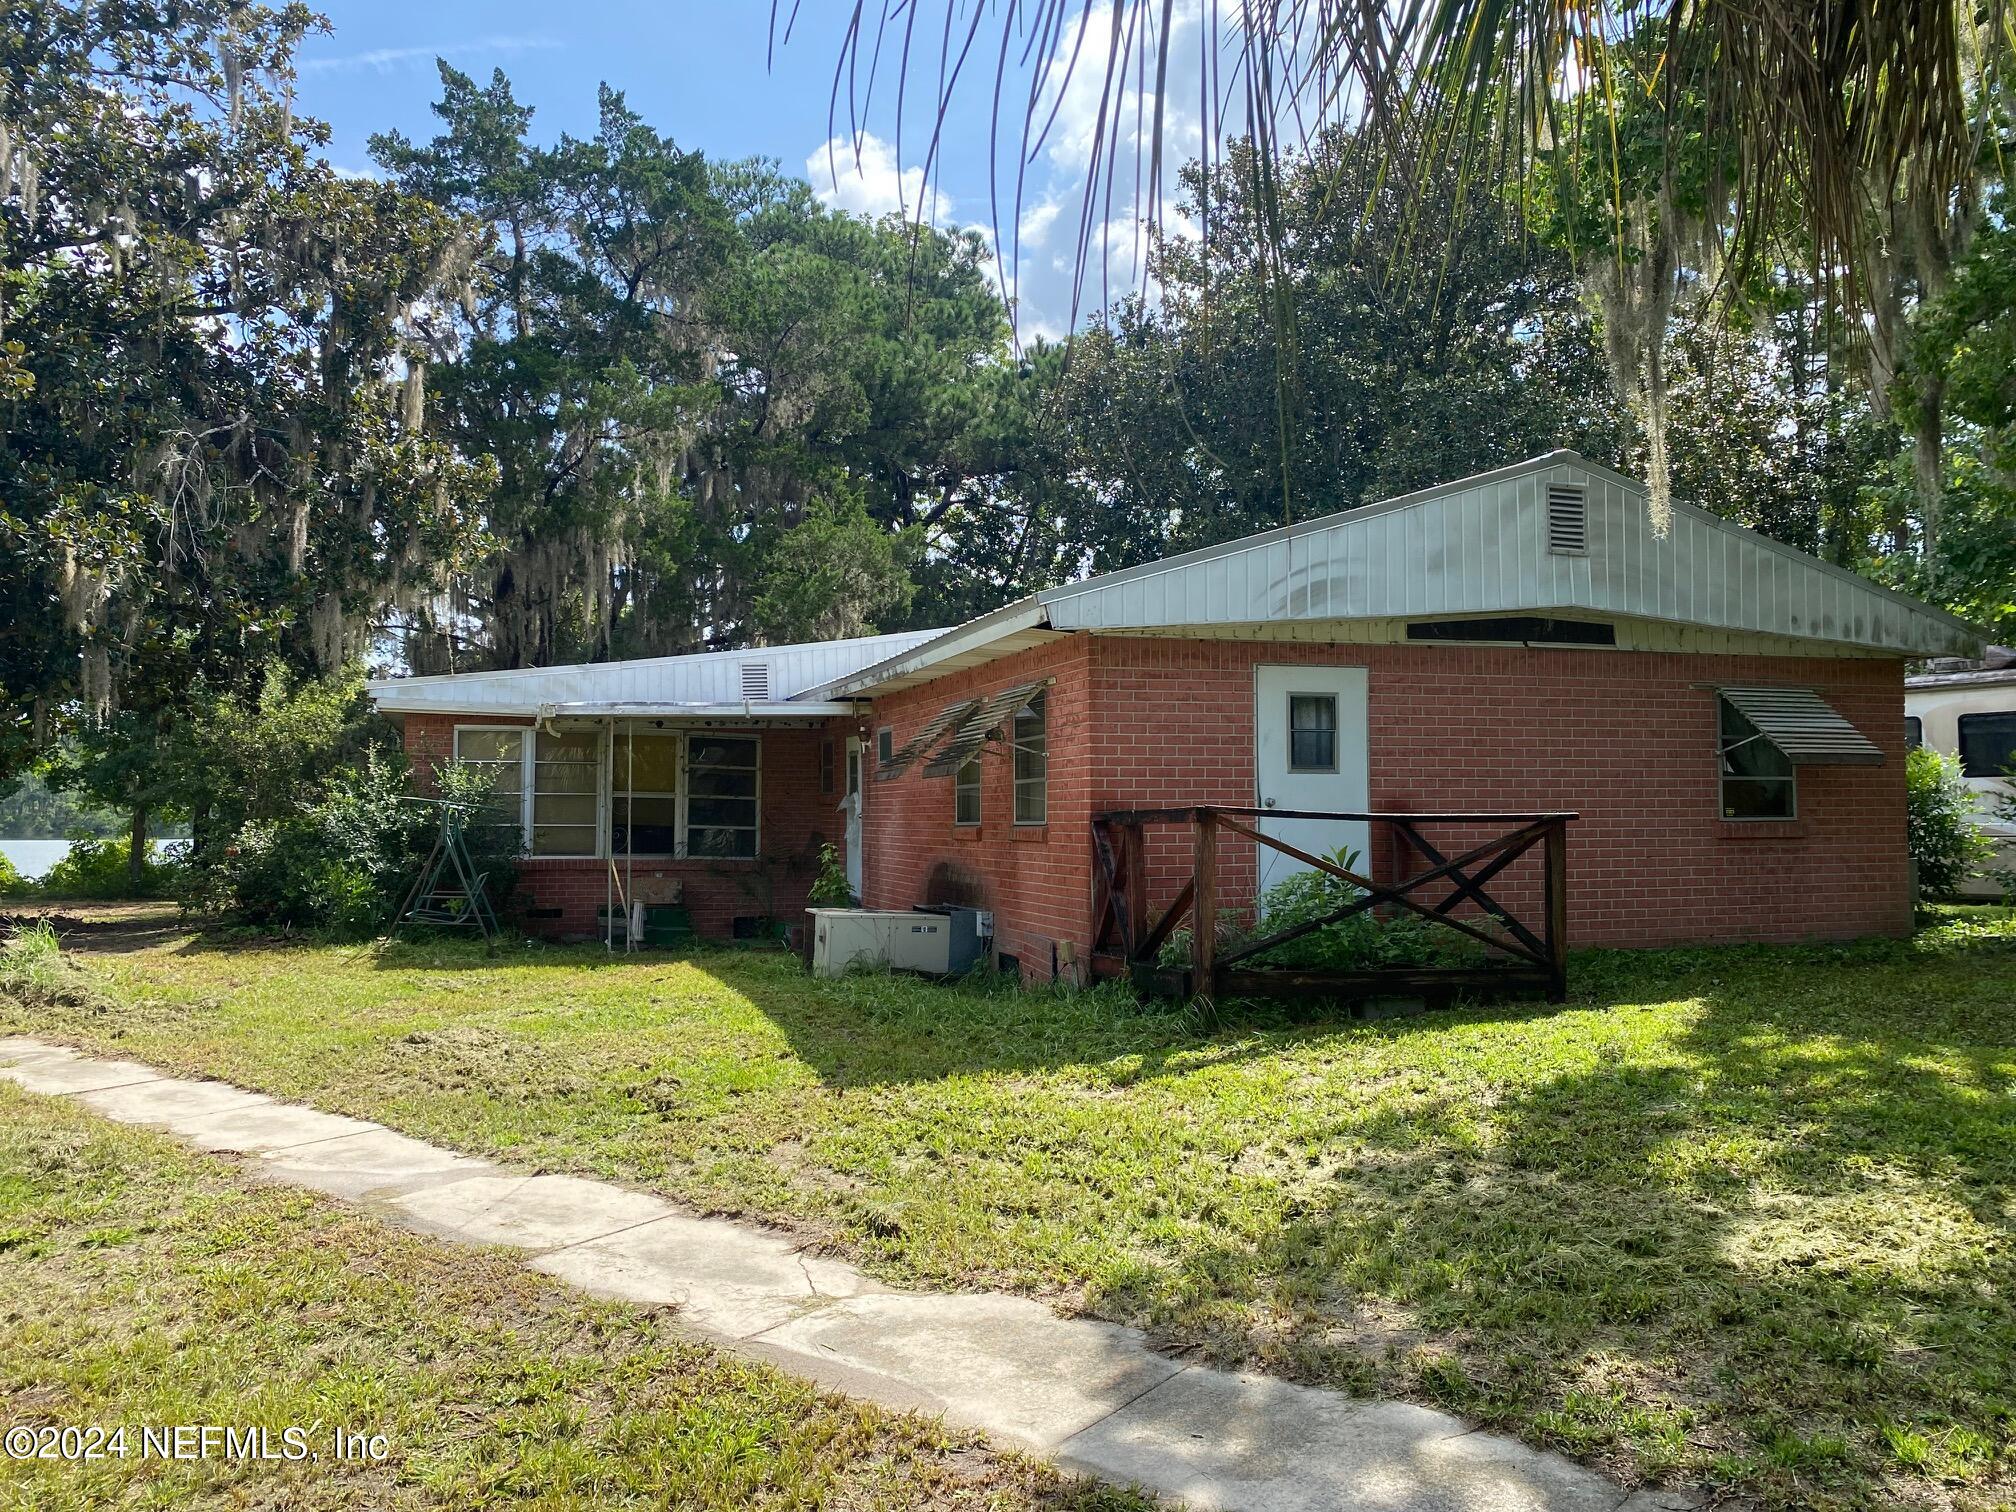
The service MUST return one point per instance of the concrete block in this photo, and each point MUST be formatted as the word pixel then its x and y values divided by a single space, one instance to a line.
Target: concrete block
pixel 1226 1441
pixel 531 1212
pixel 358 1164
pixel 171 1102
pixel 62 1074
pixel 259 1128
pixel 723 1277
pixel 1006 1365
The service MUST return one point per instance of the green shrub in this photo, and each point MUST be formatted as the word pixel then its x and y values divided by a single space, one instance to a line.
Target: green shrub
pixel 1942 835
pixel 344 861
pixel 830 889
pixel 96 868
pixel 12 883
pixel 1362 942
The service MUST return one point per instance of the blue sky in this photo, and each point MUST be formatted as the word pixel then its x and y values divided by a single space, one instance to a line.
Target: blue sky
pixel 696 69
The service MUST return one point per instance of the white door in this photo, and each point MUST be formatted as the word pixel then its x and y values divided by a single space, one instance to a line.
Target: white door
pixel 851 806
pixel 1309 753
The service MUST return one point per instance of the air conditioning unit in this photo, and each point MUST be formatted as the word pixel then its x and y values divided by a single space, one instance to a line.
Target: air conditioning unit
pixel 942 943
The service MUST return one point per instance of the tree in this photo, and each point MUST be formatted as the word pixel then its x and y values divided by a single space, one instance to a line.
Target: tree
pixel 1199 418
pixel 1722 140
pixel 216 450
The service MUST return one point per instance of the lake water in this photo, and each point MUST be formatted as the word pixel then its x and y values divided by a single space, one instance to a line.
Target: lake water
pixel 32 858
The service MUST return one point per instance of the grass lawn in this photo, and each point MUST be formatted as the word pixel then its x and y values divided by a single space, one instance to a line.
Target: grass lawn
pixel 151 1287
pixel 1736 1218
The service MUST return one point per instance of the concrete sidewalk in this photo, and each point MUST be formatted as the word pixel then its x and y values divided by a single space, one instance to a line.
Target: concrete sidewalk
pixel 1091 1396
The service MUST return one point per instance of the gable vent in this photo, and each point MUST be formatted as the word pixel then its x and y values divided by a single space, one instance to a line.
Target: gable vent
pixel 1568 519
pixel 755 682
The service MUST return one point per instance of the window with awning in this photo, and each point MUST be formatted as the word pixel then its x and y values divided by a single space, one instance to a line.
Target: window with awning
pixel 1803 725
pixel 1766 735
pixel 896 761
pixel 982 725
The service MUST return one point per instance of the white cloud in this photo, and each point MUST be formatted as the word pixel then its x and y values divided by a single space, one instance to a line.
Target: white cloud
pixel 863 178
pixel 1037 221
pixel 387 59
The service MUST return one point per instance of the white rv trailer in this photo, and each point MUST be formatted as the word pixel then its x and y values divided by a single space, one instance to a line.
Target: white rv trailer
pixel 1968 709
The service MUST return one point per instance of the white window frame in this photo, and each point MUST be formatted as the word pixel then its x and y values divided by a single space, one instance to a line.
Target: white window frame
pixel 686 795
pixel 1723 779
pixel 598 845
pixel 524 732
pixel 608 745
pixel 1016 781
pixel 968 780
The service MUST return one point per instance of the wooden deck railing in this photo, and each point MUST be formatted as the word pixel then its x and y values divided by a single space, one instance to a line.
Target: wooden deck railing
pixel 1520 954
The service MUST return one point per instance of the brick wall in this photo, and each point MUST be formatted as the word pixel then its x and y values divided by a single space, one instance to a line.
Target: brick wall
pixel 1037 879
pixel 1627 739
pixel 796 819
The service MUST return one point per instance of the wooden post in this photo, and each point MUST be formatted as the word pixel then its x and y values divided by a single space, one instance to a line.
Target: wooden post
pixel 1557 909
pixel 1134 885
pixel 1204 913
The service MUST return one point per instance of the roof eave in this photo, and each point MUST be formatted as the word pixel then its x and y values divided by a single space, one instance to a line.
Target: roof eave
pixel 1010 619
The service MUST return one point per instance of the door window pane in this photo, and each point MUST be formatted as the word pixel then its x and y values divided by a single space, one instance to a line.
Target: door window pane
pixel 1312 732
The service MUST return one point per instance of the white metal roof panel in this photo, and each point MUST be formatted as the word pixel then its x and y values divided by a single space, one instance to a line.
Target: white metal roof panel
pixel 708 679
pixel 1480 546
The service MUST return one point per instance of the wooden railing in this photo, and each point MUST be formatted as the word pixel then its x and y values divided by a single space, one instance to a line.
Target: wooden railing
pixel 1519 953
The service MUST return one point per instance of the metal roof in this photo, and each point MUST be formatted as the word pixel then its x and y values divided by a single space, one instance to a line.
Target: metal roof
pixel 1497 543
pixel 707 682
pixel 1804 726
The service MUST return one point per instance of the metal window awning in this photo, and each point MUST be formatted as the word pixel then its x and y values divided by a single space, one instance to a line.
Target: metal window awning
pixel 979 726
pixel 945 719
pixel 1804 726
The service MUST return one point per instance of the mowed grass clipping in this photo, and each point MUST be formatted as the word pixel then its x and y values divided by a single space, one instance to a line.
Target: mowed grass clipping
pixel 1736 1219
pixel 148 1286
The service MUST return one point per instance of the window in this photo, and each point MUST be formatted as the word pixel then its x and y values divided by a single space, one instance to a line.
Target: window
pixel 1312 732
pixel 644 794
pixel 499 756
pixel 566 790
pixel 1032 763
pixel 885 745
pixel 1757 777
pixel 826 766
pixel 853 768
pixel 1516 630
pixel 966 793
pixel 1914 731
pixel 1987 743
pixel 721 791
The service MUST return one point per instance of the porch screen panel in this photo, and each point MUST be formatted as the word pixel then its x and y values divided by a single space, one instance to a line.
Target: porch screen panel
pixel 566 786
pixel 498 758
pixel 644 793
pixel 722 784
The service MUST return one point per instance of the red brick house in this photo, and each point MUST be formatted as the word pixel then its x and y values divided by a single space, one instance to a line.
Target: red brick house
pixel 1724 713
